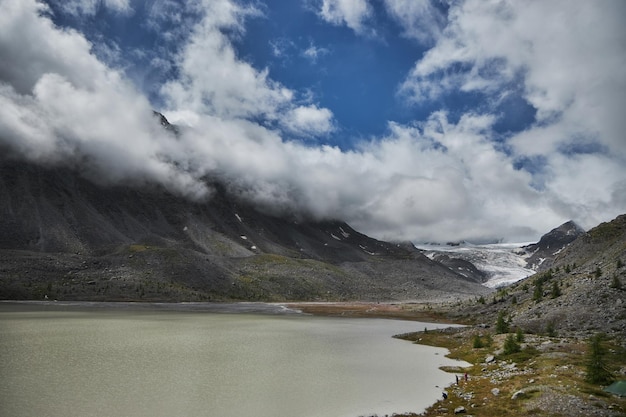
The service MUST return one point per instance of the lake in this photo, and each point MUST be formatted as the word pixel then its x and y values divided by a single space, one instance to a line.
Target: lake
pixel 231 360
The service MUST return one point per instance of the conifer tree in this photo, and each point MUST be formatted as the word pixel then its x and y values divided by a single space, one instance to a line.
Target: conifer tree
pixel 510 345
pixel 501 324
pixel 597 369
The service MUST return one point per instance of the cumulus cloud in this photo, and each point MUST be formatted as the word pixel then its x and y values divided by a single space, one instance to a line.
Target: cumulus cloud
pixel 309 120
pixel 352 13
pixel 567 59
pixel 442 178
pixel 419 19
pixel 63 106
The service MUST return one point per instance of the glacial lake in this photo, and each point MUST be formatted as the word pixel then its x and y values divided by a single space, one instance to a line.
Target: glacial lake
pixel 243 360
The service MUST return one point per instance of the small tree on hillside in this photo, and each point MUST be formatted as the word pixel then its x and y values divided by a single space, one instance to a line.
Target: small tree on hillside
pixel 510 345
pixel 616 283
pixel 556 291
pixel 502 326
pixel 597 368
pixel 478 343
pixel 538 292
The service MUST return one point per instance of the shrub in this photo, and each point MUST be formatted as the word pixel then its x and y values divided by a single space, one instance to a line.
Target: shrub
pixel 538 292
pixel 616 283
pixel 598 272
pixel 551 330
pixel 478 343
pixel 511 346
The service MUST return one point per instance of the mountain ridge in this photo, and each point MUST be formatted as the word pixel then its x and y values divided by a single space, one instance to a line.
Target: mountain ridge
pixel 63 236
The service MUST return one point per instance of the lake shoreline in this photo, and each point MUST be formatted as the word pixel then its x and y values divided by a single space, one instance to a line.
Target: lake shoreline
pixel 545 378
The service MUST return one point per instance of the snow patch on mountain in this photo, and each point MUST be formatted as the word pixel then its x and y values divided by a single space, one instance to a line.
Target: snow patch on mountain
pixel 505 263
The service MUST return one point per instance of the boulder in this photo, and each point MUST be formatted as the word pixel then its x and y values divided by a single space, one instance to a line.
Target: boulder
pixel 517 394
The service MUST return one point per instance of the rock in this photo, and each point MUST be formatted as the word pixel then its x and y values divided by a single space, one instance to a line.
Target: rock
pixel 517 394
pixel 495 391
pixel 460 410
pixel 490 359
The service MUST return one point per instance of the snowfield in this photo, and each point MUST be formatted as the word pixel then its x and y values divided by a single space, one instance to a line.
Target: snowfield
pixel 505 263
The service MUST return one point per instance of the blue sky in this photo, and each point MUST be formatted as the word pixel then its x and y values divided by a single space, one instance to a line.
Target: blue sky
pixel 410 119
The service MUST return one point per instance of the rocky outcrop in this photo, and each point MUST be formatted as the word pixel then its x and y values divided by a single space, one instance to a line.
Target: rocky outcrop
pixel 541 255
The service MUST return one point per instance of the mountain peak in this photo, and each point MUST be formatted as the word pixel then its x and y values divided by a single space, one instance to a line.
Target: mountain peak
pixel 542 253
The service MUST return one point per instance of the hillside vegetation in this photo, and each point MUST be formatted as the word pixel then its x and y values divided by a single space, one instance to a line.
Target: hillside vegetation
pixel 547 345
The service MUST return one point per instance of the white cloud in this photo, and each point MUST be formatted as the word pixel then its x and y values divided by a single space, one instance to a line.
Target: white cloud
pixel 352 13
pixel 215 81
pixel 69 108
pixel 313 53
pixel 419 19
pixel 568 58
pixel 432 180
pixel 309 120
pixel 90 7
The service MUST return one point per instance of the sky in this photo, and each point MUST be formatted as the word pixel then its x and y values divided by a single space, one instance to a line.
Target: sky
pixel 421 120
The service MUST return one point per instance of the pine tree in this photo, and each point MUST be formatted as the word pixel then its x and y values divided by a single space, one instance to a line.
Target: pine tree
pixel 556 291
pixel 501 324
pixel 510 345
pixel 597 369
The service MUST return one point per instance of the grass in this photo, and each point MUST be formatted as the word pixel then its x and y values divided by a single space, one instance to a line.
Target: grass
pixel 545 368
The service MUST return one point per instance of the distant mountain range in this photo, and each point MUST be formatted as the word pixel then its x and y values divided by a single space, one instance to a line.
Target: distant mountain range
pixel 64 237
pixel 583 291
pixel 501 264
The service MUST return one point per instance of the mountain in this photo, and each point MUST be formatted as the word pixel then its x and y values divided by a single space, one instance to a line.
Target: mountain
pixel 583 292
pixel 65 237
pixel 541 255
pixel 494 265
pixel 499 264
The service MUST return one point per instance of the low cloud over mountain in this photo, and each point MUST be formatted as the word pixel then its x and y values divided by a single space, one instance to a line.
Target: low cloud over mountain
pixel 73 95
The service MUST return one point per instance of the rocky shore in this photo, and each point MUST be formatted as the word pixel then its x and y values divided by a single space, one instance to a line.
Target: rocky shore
pixel 546 377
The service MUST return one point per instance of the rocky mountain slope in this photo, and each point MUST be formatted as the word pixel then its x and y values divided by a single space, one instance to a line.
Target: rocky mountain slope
pixel 583 292
pixel 64 237
pixel 541 255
